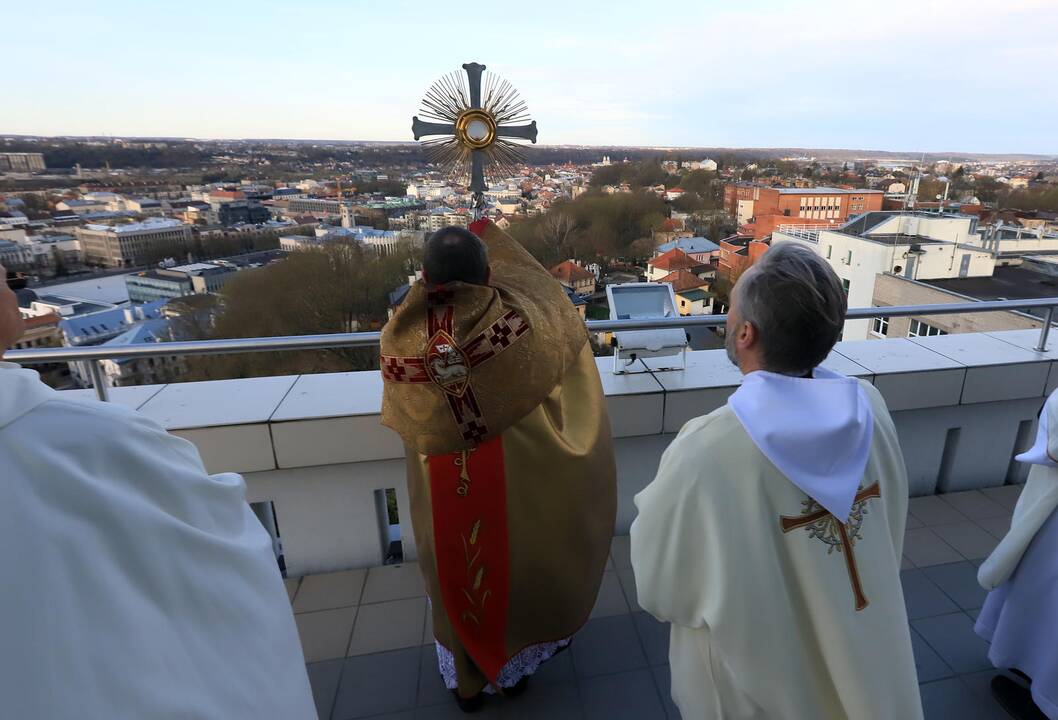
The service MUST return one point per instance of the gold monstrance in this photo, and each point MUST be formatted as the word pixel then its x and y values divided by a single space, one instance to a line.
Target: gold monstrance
pixel 472 125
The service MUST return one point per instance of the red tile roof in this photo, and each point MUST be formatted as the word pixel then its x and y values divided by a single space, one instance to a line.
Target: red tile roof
pixel 682 280
pixel 230 194
pixel 570 272
pixel 41 321
pixel 673 260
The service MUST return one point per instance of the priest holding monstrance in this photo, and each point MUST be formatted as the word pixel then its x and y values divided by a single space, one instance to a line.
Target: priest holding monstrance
pixel 491 383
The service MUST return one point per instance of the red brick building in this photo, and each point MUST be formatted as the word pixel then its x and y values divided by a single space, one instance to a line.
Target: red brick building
pixel 737 254
pixel 751 204
pixel 226 195
pixel 764 225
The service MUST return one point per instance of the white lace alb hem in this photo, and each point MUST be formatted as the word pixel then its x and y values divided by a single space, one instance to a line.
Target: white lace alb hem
pixel 527 662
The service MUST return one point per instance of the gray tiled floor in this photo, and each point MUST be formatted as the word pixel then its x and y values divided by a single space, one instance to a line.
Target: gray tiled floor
pixel 368 638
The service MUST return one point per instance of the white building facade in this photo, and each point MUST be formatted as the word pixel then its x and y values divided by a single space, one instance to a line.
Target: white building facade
pixel 131 244
pixel 917 247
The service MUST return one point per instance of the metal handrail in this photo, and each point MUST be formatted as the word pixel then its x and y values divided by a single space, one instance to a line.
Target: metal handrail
pixel 371 339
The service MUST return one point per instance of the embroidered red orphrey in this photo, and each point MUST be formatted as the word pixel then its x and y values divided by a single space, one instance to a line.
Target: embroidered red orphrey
pixel 468 488
pixel 449 366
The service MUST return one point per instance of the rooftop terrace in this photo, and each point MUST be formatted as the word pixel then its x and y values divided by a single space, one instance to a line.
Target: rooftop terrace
pixel 821 190
pixel 148 225
pixel 312 447
pixel 368 639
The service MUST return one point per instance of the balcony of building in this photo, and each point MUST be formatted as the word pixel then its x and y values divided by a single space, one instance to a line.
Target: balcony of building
pixel 312 449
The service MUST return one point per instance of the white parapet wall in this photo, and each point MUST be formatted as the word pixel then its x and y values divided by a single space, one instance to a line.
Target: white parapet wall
pixel 313 445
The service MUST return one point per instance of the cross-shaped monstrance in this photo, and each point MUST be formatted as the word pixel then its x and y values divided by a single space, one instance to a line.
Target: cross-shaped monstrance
pixel 840 536
pixel 476 123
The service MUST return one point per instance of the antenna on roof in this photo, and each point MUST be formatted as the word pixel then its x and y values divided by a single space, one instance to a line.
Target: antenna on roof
pixel 913 185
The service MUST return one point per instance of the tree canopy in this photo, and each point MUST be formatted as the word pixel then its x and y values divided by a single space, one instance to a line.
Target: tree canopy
pixel 1037 198
pixel 646 173
pixel 595 226
pixel 334 289
pixel 929 189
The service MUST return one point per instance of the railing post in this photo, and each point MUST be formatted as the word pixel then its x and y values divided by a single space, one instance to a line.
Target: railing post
pixel 99 380
pixel 1046 330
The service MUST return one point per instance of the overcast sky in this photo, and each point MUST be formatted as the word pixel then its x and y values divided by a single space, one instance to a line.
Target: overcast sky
pixel 929 75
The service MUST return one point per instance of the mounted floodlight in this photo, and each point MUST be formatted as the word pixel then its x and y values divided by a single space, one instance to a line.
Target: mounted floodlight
pixel 632 348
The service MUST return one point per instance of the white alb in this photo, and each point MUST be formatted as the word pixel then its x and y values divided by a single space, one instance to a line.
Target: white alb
pixel 136 585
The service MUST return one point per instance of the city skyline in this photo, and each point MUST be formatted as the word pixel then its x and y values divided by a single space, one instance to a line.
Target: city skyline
pixel 917 77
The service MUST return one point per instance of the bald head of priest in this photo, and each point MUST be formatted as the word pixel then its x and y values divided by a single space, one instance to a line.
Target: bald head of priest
pixel 454 254
pixel 786 313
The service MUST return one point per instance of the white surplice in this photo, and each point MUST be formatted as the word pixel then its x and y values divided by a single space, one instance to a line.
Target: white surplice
pixel 764 622
pixel 135 584
pixel 1020 616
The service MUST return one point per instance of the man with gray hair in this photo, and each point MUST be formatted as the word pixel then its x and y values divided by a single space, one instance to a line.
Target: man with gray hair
pixel 772 536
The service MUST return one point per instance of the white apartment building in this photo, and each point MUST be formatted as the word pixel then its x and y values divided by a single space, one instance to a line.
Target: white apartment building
pixel 431 221
pixel 430 190
pixel 15 256
pixel 13 219
pixel 916 246
pixel 101 196
pixel 139 205
pixel 504 193
pixel 129 245
pixel 21 162
pixel 320 207
pixel 82 207
pixel 383 242
pixel 143 371
pixel 35 253
pixel 706 164
pixel 434 221
pixel 1011 243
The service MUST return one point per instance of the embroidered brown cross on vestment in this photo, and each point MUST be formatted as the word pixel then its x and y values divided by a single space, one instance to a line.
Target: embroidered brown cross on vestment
pixel 840 536
pixel 447 364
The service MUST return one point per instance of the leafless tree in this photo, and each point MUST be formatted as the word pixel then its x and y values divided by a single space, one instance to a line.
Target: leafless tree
pixel 556 230
pixel 342 287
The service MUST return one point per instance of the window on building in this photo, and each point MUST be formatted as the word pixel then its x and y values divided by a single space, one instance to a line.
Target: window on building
pixel 880 326
pixel 848 258
pixel 845 285
pixel 921 329
pixel 829 249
